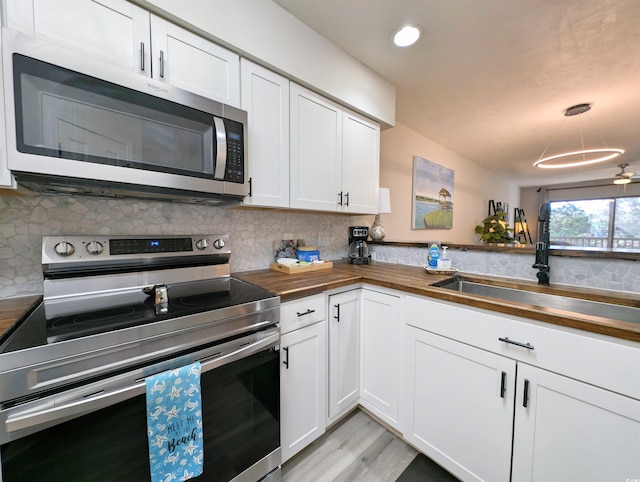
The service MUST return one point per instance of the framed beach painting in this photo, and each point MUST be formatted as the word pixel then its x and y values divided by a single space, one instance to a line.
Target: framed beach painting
pixel 432 195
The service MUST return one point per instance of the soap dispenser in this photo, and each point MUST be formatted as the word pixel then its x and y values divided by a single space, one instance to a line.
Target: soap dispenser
pixel 444 262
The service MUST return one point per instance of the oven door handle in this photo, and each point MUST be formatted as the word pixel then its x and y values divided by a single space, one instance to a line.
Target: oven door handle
pixel 49 410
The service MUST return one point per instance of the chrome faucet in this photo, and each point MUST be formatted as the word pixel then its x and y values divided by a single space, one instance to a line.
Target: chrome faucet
pixel 542 246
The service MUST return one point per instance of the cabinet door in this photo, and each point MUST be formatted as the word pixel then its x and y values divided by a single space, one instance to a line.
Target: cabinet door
pixel 360 163
pixel 302 387
pixel 343 352
pixel 265 97
pixel 113 31
pixel 193 63
pixel 459 405
pixel 381 355
pixel 570 430
pixel 316 151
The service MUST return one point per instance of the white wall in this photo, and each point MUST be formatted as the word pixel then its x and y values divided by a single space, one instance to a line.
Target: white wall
pixel 269 35
pixel 474 186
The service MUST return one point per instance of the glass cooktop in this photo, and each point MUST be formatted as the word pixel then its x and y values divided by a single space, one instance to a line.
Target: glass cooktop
pixel 36 329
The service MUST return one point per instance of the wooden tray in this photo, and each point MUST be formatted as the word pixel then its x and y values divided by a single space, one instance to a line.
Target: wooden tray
pixel 301 268
pixel 431 270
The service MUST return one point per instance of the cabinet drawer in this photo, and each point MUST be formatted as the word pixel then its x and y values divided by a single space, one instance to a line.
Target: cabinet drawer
pixel 596 359
pixel 302 312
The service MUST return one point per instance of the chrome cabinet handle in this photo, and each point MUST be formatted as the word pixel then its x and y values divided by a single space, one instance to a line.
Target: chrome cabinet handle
pixel 308 312
pixel 141 55
pixel 528 346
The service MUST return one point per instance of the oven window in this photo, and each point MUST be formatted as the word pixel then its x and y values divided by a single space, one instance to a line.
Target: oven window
pixel 241 406
pixel 61 113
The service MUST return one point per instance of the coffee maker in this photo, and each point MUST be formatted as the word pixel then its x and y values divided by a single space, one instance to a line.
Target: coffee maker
pixel 358 249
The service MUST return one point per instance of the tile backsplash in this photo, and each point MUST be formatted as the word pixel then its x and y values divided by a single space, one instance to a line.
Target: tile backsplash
pixel 23 220
pixel 599 273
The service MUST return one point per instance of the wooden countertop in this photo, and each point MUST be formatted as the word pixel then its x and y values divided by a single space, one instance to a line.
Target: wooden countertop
pixel 416 280
pixel 411 279
pixel 12 309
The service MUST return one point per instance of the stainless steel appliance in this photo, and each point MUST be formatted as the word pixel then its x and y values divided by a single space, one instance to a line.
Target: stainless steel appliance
pixel 118 309
pixel 358 248
pixel 76 125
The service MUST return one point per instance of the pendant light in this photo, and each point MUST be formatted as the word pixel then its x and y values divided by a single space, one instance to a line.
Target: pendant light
pixel 580 157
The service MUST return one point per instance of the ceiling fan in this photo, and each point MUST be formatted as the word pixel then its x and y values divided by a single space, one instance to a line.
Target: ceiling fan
pixel 623 177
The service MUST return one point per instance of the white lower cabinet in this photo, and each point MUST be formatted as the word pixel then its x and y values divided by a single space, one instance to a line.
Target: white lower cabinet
pixel 344 367
pixel 487 412
pixel 568 430
pixel 303 387
pixel 458 410
pixel 381 329
pixel 303 373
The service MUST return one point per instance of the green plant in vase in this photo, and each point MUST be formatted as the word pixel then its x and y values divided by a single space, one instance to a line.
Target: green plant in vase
pixel 494 229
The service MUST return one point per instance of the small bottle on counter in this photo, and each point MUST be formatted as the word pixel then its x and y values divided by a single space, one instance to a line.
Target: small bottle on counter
pixel 444 262
pixel 433 255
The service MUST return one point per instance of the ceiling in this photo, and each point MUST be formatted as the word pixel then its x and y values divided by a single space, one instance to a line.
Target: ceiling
pixel 491 79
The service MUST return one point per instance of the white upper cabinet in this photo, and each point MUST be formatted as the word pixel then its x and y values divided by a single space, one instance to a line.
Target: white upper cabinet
pixel 127 36
pixel 360 163
pixel 334 156
pixel 265 97
pixel 193 63
pixel 316 151
pixel 113 31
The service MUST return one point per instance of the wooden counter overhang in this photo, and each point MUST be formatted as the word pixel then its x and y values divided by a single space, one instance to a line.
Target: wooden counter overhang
pixel 411 279
pixel 416 280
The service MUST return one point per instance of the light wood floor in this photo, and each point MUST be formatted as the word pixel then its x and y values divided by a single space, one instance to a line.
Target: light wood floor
pixel 358 449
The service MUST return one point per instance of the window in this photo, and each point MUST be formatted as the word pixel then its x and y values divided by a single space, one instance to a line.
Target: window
pixel 609 224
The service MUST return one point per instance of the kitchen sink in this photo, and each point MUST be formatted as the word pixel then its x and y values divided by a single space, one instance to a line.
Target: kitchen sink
pixel 576 305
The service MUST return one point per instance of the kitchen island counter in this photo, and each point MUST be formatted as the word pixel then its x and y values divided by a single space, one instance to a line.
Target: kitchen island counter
pixel 416 280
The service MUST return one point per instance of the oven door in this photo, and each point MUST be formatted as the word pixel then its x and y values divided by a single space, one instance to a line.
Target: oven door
pixel 98 432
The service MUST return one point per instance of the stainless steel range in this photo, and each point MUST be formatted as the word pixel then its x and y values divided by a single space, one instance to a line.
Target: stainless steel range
pixel 119 309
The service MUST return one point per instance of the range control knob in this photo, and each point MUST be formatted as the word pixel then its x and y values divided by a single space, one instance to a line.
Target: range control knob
pixel 202 244
pixel 218 243
pixel 95 247
pixel 64 248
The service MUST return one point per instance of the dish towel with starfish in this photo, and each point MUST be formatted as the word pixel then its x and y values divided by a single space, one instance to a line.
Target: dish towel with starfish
pixel 174 424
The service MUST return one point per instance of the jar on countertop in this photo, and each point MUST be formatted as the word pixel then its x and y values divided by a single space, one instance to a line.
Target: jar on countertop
pixel 308 253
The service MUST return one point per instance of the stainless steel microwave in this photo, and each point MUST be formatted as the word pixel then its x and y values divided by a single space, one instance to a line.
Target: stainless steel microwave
pixel 78 125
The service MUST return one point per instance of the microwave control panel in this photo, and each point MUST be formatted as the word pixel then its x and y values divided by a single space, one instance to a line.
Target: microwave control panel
pixel 235 152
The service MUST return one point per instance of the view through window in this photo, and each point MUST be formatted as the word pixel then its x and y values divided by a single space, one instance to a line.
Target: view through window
pixel 611 224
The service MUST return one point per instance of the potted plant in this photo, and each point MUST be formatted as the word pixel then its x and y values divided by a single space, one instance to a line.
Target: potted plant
pixel 494 229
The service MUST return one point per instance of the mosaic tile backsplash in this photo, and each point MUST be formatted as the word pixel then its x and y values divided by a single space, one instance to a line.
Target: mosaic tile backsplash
pixel 23 220
pixel 599 273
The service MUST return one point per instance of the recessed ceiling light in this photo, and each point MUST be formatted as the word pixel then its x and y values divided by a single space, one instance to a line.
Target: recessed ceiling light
pixel 406 36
